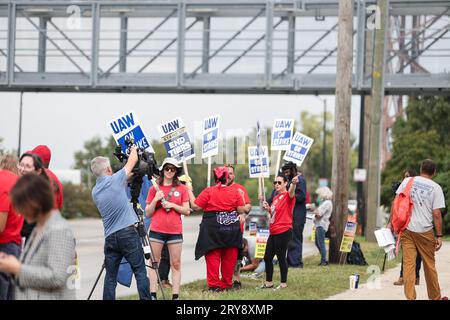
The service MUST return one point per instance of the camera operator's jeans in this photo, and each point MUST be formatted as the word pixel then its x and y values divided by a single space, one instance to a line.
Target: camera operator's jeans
pixel 125 243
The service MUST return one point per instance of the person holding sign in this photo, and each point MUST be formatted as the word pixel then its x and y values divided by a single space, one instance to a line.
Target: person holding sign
pixel 220 233
pixel 322 221
pixel 280 213
pixel 295 247
pixel 166 206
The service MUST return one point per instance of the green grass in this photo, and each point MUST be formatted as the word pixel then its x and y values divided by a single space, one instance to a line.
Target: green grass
pixel 310 283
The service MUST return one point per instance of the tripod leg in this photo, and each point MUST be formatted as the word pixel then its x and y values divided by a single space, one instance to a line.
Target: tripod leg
pixel 96 281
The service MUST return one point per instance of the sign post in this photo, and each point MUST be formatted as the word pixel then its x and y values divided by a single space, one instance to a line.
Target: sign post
pixel 281 137
pixel 210 141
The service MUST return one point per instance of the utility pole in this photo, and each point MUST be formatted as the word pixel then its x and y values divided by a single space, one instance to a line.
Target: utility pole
pixel 19 151
pixel 324 147
pixel 373 183
pixel 341 139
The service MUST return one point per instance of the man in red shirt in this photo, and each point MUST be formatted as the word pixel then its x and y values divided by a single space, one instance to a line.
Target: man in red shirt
pixel 46 155
pixel 10 227
pixel 220 233
pixel 248 206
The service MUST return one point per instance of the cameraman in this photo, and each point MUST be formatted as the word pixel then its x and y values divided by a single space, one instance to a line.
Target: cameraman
pixel 119 219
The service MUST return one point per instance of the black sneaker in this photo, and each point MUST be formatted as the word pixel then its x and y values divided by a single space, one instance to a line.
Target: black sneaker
pixel 236 285
pixel 323 264
pixel 214 289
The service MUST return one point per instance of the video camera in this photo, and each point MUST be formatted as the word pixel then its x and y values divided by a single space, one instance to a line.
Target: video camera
pixel 146 164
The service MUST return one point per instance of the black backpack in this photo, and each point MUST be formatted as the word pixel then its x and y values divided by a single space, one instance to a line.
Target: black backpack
pixel 356 256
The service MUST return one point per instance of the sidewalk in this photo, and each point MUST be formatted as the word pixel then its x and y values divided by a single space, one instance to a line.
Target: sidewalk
pixel 387 291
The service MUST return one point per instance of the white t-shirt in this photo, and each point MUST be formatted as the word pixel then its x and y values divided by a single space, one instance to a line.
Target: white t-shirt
pixel 427 196
pixel 325 209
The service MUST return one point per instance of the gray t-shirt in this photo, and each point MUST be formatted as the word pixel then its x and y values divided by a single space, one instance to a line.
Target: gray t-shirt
pixel 111 199
pixel 427 196
pixel 325 209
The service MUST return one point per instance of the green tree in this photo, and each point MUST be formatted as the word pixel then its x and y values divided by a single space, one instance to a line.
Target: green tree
pixel 78 202
pixel 2 150
pixel 422 135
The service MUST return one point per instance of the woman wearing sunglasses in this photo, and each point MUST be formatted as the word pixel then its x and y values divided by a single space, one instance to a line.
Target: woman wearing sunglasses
pixel 280 214
pixel 165 207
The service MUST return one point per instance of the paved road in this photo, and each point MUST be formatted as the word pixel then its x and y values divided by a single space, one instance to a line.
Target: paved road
pixel 90 241
pixel 387 291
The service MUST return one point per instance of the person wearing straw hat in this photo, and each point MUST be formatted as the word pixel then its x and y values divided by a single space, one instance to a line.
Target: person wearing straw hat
pixel 322 217
pixel 166 206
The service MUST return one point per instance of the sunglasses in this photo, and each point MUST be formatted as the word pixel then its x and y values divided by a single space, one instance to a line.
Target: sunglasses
pixel 277 182
pixel 173 169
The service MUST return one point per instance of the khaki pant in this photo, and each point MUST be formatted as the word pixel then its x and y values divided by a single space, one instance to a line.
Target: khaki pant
pixel 425 245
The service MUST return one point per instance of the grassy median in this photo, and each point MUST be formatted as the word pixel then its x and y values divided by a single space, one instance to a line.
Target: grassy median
pixel 310 283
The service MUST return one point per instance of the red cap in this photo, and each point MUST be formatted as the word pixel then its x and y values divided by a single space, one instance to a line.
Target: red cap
pixel 43 152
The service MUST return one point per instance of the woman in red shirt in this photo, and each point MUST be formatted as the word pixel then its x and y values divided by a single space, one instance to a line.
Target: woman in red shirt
pixel 220 234
pixel 165 207
pixel 280 213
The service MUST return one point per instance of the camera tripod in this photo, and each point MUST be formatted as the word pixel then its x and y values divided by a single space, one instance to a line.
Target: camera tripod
pixel 148 254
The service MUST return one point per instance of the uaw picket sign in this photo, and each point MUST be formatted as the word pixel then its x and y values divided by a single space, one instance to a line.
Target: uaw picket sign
pixel 176 140
pixel 258 163
pixel 210 136
pixel 126 127
pixel 299 148
pixel 282 133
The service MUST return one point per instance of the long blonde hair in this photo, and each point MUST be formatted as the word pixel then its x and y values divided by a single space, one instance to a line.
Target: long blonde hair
pixel 9 162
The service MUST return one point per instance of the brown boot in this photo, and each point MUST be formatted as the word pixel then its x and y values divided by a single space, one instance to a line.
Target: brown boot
pixel 417 281
pixel 399 282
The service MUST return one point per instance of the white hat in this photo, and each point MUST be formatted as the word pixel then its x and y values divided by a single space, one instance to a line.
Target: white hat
pixel 171 161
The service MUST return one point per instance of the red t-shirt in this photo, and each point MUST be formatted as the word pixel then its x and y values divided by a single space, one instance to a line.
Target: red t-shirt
pixel 237 186
pixel 281 213
pixel 14 221
pixel 168 222
pixel 59 190
pixel 221 198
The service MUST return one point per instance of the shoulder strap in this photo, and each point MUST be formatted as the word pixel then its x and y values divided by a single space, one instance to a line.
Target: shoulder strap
pixel 170 193
pixel 409 185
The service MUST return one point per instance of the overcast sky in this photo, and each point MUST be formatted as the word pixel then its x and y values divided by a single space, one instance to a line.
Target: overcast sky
pixel 64 121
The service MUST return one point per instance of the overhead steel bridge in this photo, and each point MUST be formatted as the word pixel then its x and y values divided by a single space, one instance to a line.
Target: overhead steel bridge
pixel 216 46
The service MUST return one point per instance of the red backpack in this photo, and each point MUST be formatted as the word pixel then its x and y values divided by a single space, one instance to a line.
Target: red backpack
pixel 402 210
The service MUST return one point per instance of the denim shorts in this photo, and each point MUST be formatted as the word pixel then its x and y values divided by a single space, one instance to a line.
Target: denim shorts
pixel 165 237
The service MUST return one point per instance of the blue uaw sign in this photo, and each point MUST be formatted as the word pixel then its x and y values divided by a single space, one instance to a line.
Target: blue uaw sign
pixel 298 148
pixel 258 163
pixel 126 127
pixel 210 136
pixel 176 140
pixel 282 133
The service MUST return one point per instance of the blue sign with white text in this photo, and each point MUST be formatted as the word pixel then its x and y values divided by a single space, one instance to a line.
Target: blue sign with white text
pixel 179 147
pixel 126 127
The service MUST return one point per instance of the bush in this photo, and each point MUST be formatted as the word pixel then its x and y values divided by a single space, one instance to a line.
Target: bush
pixel 78 202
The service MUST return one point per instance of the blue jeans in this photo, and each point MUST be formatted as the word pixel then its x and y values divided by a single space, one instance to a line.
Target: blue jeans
pixel 320 244
pixel 6 283
pixel 125 243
